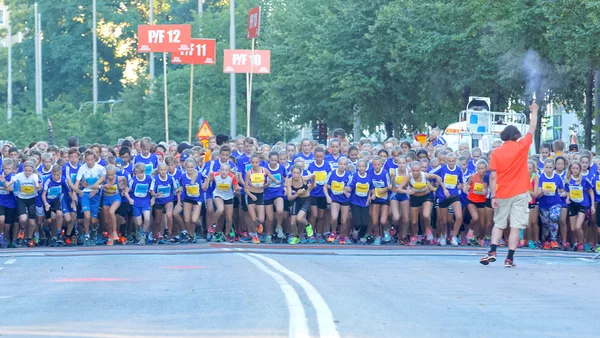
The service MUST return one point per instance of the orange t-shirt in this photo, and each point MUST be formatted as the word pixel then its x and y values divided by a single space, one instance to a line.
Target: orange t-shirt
pixel 510 163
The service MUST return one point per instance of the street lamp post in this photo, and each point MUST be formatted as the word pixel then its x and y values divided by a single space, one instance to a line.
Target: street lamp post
pixel 111 102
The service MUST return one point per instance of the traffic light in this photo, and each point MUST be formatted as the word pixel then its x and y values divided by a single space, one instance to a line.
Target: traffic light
pixel 322 128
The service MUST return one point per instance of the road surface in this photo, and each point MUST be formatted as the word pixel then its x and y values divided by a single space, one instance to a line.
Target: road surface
pixel 302 291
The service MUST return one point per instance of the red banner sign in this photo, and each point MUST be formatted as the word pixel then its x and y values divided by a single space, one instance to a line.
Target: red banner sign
pixel 201 52
pixel 240 61
pixel 253 23
pixel 164 38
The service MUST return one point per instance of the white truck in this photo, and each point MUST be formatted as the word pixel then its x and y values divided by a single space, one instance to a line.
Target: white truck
pixel 480 127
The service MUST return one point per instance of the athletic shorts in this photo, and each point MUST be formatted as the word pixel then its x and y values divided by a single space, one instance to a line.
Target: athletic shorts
pixel 226 202
pixel 576 208
pixel 26 207
pixel 91 204
pixel 138 210
pixel 9 214
pixel 417 201
pixel 236 202
pixel 108 200
pixel 479 205
pixel 272 200
pixel 124 209
pixel 533 205
pixel 300 203
pixel 260 199
pixel 244 202
pixel 190 201
pixel 376 202
pixel 320 202
pixel 446 202
pixel 488 203
pixel 55 205
pixel 158 207
pixel 344 204
pixel 399 197
pixel 286 205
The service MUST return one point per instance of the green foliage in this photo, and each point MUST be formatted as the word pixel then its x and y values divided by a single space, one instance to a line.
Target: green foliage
pixel 407 64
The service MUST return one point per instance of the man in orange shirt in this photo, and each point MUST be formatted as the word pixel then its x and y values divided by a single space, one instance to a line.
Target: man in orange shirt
pixel 509 187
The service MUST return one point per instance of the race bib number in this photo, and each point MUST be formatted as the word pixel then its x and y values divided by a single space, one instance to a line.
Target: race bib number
pixel 320 177
pixel 149 169
pixel 27 189
pixel 111 189
pixel 551 186
pixel 192 190
pixel 73 178
pixel 141 190
pixel 91 181
pixel 598 186
pixel 272 183
pixel 257 180
pixel 478 188
pixel 379 193
pixel 54 192
pixel 337 187
pixel 576 194
pixel 223 186
pixel 450 181
pixel 165 190
pixel 419 185
pixel 399 179
pixel 362 189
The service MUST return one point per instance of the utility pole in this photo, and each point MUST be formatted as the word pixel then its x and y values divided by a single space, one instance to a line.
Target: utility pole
pixel 232 104
pixel 9 89
pixel 38 62
pixel 151 60
pixel 95 57
pixel 597 100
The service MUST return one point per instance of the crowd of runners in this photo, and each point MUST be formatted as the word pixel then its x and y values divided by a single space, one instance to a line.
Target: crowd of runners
pixel 401 193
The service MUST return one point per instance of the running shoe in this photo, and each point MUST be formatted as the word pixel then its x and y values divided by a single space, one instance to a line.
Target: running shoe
pixel 109 242
pixel 131 238
pixel 486 241
pixel 402 242
pixel 219 237
pixel 597 248
pixel 546 246
pixel 269 239
pixel 302 238
pixel 565 246
pixel 413 241
pixel 2 241
pixel 386 236
pixel 392 231
pixel 473 242
pixel 342 240
pixel 255 239
pixel 115 236
pixel 454 241
pixel 142 237
pixel 443 241
pixel 86 240
pixel 521 243
pixel 309 230
pixel 347 240
pixel 377 240
pixel 355 236
pixel 331 237
pixel 481 242
pixel 463 241
pixel 193 239
pixel 580 247
pixel 294 240
pixel 509 263
pixel 212 229
pixel 554 245
pixel 429 235
pixel 259 228
pixel 320 239
pixel 538 244
pixel 587 247
pixel 246 238
pixel 53 242
pixel 370 239
pixel 279 231
pixel 490 257
pixel 312 239
pixel 530 244
pixel 363 240
pixel 501 242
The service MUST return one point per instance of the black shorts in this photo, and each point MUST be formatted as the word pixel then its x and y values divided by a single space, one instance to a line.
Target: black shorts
pixel 320 202
pixel 226 202
pixel 300 203
pixel 576 208
pixel 191 201
pixel 488 203
pixel 236 202
pixel 158 207
pixel 27 207
pixel 260 199
pixel 124 208
pixel 9 214
pixel 347 204
pixel 286 205
pixel 386 202
pixel 449 201
pixel 272 200
pixel 55 205
pixel 479 205
pixel 532 206
pixel 244 203
pixel 417 201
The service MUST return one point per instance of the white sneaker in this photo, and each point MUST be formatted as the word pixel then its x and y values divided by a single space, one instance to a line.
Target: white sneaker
pixel 279 231
pixel 443 240
pixel 454 241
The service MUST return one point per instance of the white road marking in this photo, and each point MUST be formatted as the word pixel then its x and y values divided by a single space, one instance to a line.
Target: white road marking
pixel 1 267
pixel 10 261
pixel 327 326
pixel 5 297
pixel 239 249
pixel 226 249
pixel 298 326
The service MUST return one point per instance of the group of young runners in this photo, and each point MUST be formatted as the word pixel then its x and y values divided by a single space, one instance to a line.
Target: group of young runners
pixel 239 190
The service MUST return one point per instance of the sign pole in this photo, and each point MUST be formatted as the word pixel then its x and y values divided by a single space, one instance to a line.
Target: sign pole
pixel 191 104
pixel 166 97
pixel 249 91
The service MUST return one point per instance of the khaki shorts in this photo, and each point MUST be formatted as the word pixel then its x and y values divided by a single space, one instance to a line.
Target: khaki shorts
pixel 516 209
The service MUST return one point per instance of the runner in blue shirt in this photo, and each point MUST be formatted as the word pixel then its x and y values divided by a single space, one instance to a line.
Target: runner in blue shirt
pixel 361 188
pixel 580 199
pixel 318 203
pixel 552 189
pixel 339 199
pixel 141 190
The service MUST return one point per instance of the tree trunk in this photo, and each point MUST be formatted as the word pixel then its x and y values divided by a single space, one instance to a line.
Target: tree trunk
pixel 389 129
pixel 589 109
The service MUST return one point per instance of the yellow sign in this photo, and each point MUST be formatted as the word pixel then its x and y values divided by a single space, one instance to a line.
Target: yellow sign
pixel 204 132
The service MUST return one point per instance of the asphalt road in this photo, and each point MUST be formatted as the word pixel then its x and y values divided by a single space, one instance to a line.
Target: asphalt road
pixel 278 291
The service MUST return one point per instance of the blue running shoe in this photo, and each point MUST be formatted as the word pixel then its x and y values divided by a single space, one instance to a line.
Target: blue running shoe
pixel 303 239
